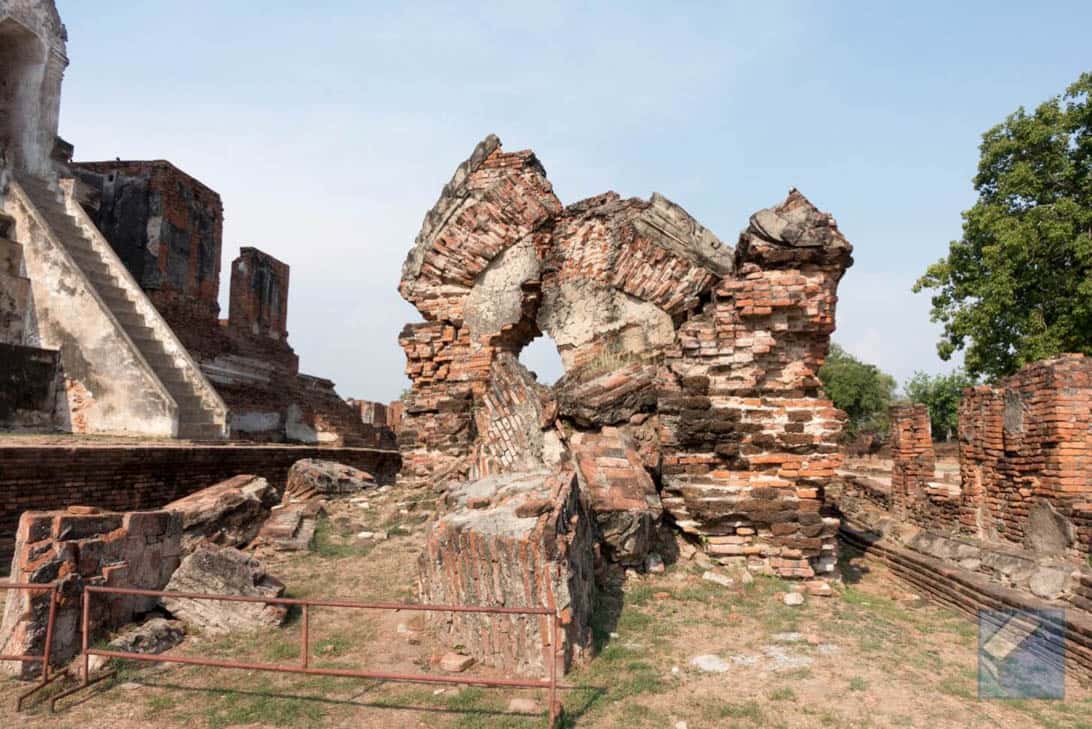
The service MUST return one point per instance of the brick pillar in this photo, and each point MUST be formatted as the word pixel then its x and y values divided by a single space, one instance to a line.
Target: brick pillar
pixel 259 294
pixel 914 462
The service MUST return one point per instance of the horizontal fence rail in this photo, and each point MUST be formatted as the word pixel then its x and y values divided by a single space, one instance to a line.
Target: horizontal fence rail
pixel 47 677
pixel 550 652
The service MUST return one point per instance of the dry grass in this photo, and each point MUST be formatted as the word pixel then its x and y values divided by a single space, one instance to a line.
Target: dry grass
pixel 878 657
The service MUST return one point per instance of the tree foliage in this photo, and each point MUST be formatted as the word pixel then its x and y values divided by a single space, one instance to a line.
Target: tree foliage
pixel 862 390
pixel 1017 287
pixel 941 394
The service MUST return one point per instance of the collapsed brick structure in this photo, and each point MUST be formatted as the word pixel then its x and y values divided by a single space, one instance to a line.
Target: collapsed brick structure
pixel 167 228
pixel 690 365
pixel 81 546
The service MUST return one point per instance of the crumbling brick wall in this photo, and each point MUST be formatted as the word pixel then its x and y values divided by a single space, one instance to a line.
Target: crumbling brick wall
pixel 1028 441
pixel 749 440
pixel 131 478
pixel 704 356
pixel 77 547
pixel 916 493
pixel 167 228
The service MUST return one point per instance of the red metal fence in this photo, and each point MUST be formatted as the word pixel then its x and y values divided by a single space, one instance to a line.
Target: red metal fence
pixel 46 677
pixel 550 650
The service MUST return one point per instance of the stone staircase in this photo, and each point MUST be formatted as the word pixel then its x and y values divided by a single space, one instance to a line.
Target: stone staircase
pixel 196 420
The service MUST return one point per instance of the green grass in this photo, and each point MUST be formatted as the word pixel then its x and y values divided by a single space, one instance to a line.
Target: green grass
pixel 858 684
pixel 229 708
pixel 334 542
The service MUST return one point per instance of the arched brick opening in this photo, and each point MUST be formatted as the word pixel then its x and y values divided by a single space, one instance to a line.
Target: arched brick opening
pixel 542 357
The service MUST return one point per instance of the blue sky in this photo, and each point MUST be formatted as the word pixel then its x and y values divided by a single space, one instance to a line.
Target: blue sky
pixel 330 129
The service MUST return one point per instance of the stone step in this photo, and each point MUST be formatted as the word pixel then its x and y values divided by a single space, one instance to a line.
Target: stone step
pixel 196 420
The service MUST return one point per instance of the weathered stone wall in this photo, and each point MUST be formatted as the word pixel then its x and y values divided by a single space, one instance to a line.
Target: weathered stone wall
pixel 167 228
pixel 108 385
pixel 135 477
pixel 79 547
pixel 14 285
pixel 1026 455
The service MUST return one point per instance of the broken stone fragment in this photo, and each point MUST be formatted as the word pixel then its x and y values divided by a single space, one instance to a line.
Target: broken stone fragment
pixel 654 563
pixel 717 578
pixel 223 571
pixel 229 513
pixel 455 662
pixel 312 478
pixel 620 493
pixel 793 599
pixel 494 557
pixel 153 636
pixel 291 527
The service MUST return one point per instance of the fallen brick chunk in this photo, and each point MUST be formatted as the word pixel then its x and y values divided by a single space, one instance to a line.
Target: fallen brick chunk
pixel 291 527
pixel 494 557
pixel 229 513
pixel 621 494
pixel 153 636
pixel 312 478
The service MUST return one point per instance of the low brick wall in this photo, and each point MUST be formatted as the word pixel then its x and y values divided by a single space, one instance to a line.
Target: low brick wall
pixel 132 477
pixel 969 592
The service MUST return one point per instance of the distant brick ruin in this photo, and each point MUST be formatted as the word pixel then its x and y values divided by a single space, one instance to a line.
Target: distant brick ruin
pixel 167 228
pixel 1013 527
pixel 690 384
pixel 1025 462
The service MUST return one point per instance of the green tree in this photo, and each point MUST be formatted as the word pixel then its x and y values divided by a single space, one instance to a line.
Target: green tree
pixel 862 390
pixel 1017 287
pixel 941 394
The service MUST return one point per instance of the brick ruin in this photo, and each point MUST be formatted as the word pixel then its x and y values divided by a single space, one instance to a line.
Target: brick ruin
pixel 382 421
pixel 1025 449
pixel 1025 462
pixel 77 547
pixel 110 276
pixel 1013 527
pixel 690 390
pixel 167 228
